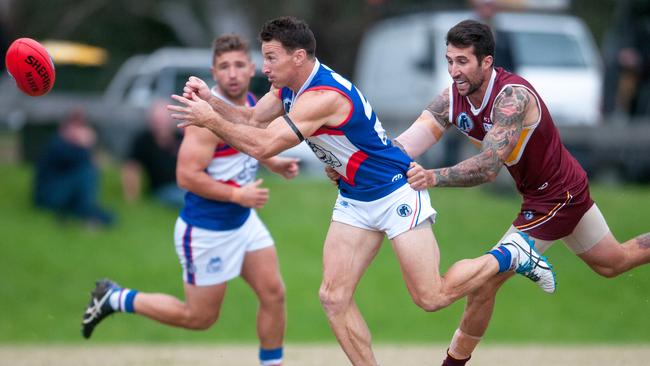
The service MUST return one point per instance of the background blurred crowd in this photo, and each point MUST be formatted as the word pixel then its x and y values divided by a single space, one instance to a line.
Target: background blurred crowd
pixel 621 30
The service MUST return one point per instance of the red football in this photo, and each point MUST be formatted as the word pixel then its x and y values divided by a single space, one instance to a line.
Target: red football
pixel 31 66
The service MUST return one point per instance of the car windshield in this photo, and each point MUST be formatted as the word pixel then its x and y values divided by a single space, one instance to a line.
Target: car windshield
pixel 546 50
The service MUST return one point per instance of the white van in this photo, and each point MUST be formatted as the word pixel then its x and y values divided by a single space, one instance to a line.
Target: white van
pixel 401 64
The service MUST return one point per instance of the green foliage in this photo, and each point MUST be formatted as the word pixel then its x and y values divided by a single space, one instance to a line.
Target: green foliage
pixel 48 268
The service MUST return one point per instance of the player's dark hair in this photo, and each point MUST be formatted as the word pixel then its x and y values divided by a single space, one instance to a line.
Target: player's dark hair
pixel 472 33
pixel 291 32
pixel 228 43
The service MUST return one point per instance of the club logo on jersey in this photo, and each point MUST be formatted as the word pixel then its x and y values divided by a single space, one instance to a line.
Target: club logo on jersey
pixel 464 122
pixel 404 210
pixel 286 102
pixel 214 265
pixel 324 155
pixel 528 215
pixel 248 171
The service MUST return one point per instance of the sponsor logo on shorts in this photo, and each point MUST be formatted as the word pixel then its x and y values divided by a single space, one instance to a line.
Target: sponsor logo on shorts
pixel 404 210
pixel 528 215
pixel 344 203
pixel 214 265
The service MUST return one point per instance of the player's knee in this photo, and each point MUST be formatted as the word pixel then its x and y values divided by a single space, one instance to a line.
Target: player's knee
pixel 607 272
pixel 201 321
pixel 333 302
pixel 430 297
pixel 273 294
pixel 609 268
pixel 430 302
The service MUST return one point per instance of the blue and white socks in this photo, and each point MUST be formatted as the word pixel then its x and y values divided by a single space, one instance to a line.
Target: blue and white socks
pixel 504 256
pixel 121 299
pixel 271 357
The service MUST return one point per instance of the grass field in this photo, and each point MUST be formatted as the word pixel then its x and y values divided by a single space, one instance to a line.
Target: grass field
pixel 47 269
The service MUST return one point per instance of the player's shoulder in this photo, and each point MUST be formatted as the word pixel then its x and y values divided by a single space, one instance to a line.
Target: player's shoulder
pixel 322 97
pixel 517 91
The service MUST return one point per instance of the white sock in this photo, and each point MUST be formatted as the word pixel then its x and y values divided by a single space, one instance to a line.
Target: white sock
pixel 118 298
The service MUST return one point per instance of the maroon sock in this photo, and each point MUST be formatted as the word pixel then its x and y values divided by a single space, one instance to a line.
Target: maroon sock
pixel 450 361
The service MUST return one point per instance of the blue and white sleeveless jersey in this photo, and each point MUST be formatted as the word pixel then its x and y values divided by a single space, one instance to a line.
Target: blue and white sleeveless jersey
pixel 228 166
pixel 358 147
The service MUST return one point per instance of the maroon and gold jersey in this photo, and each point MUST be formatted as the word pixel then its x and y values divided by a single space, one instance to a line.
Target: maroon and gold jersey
pixel 545 173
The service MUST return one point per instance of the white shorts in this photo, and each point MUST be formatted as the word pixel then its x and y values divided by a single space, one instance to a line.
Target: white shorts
pixel 394 214
pixel 591 229
pixel 211 257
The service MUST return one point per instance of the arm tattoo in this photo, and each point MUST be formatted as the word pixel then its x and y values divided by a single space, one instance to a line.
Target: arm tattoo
pixel 439 108
pixel 644 240
pixel 508 116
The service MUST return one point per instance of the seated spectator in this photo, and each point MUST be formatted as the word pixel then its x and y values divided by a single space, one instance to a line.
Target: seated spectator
pixel 154 151
pixel 66 179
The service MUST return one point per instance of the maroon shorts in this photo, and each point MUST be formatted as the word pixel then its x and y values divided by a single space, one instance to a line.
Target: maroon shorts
pixel 554 217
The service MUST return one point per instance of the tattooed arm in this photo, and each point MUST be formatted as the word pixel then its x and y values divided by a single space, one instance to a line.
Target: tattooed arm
pixel 509 112
pixel 427 129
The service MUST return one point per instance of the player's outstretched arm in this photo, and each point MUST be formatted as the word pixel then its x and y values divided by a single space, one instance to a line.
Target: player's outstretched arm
pixel 268 107
pixel 427 129
pixel 510 110
pixel 310 112
pixel 198 87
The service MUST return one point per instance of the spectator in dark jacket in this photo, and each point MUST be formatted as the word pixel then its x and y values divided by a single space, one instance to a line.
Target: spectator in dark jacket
pixel 66 179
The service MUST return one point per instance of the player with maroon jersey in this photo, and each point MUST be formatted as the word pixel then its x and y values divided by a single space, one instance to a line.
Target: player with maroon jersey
pixel 505 117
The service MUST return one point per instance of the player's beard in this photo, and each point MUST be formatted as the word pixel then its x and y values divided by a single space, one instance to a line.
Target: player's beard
pixel 474 85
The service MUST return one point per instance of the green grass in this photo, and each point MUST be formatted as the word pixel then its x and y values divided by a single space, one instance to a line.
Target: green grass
pixel 47 268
